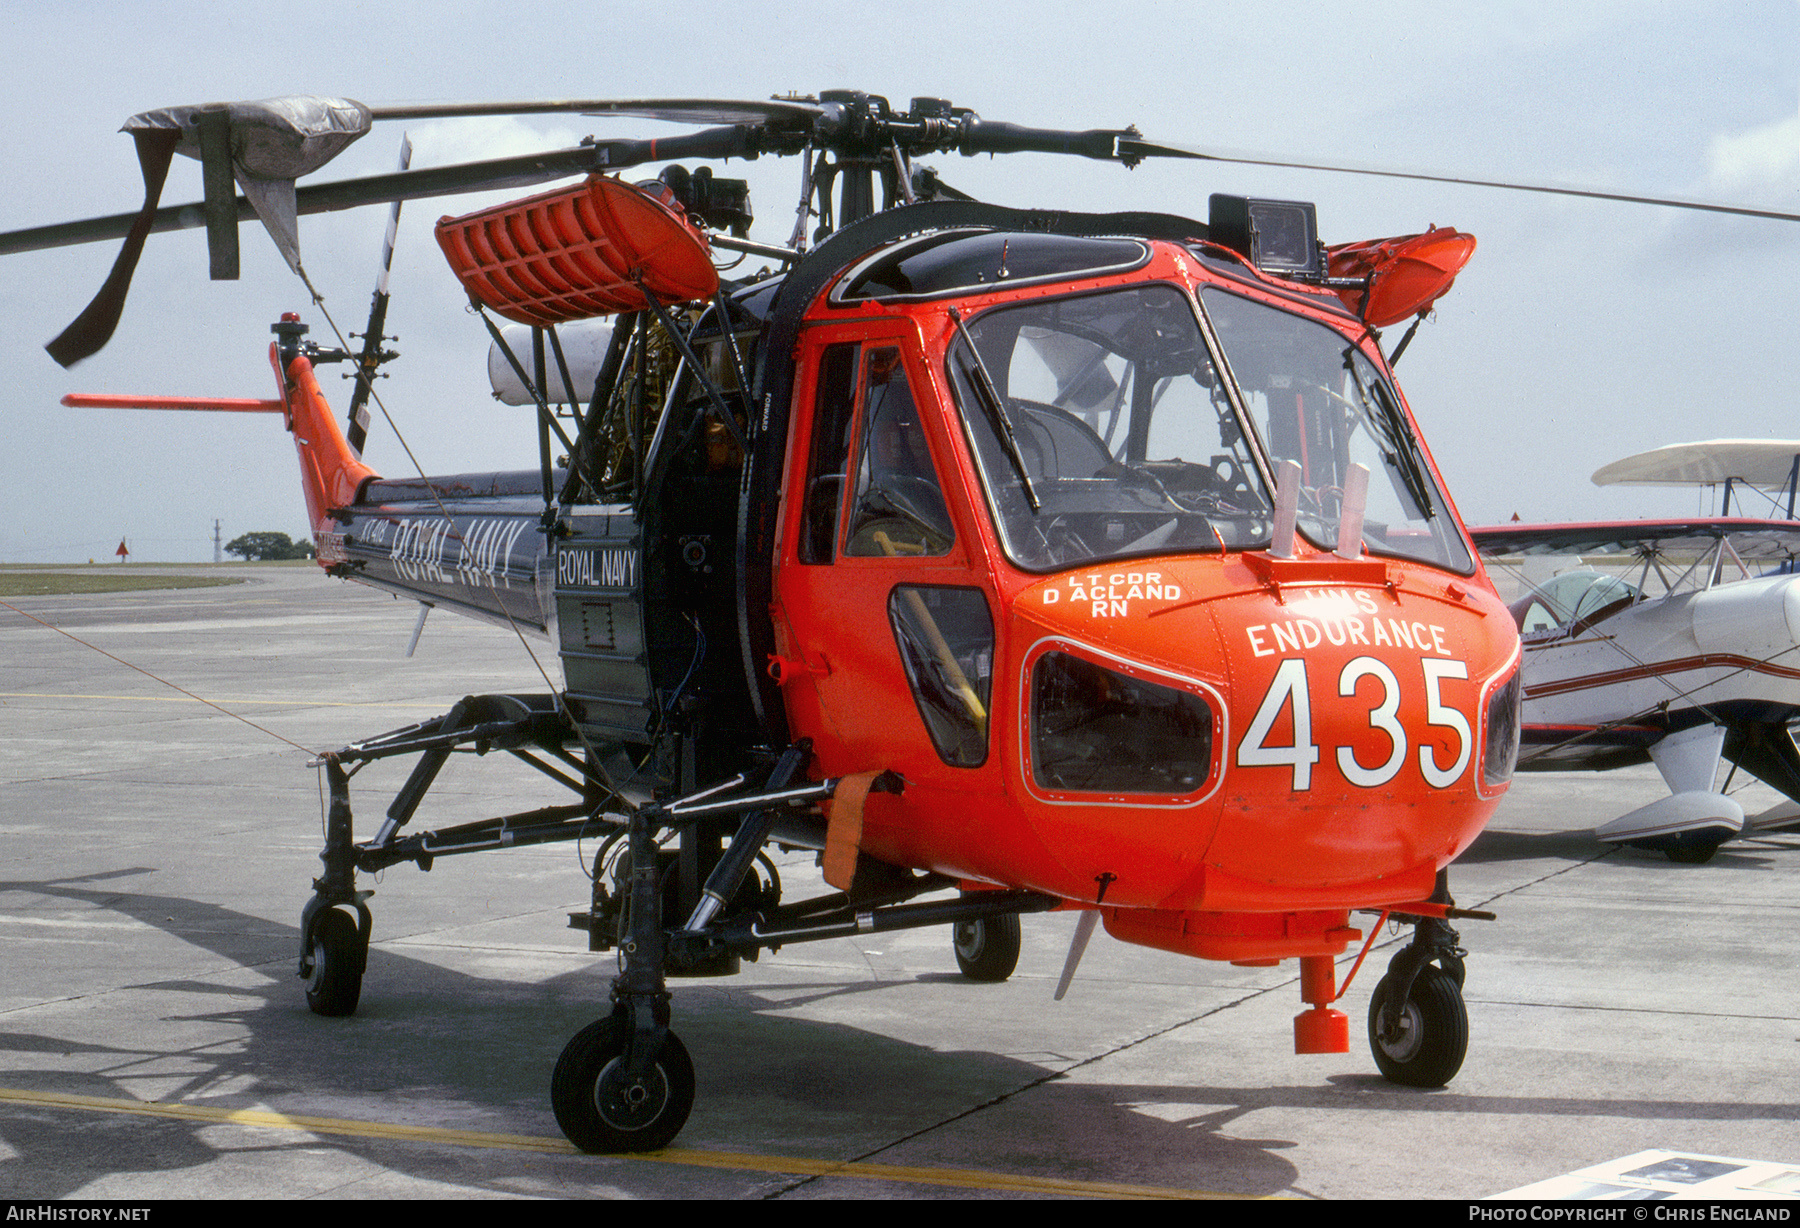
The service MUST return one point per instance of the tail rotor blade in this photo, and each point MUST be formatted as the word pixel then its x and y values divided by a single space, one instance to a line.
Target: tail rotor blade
pixel 356 433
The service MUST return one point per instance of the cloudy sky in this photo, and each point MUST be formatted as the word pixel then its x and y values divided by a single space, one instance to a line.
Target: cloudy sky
pixel 1581 331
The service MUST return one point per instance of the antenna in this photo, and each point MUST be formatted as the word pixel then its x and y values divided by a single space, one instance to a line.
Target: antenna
pixel 1287 508
pixel 1350 517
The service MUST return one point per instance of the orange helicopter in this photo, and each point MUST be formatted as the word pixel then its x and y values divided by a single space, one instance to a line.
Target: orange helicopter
pixel 1024 559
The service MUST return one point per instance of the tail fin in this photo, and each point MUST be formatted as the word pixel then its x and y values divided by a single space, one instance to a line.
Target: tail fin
pixel 331 472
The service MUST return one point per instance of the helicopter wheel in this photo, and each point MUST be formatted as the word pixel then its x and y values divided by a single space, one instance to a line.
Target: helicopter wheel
pixel 601 1109
pixel 1432 1037
pixel 338 959
pixel 988 949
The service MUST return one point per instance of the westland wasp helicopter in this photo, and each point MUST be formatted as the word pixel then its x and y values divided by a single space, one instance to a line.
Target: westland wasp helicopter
pixel 1026 559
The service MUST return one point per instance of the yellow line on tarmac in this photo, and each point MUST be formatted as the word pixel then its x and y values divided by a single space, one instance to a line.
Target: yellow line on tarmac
pixel 186 699
pixel 282 1121
pixel 961 1178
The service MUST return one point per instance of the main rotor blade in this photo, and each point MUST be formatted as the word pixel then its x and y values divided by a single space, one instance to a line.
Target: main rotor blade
pixel 988 136
pixel 675 110
pixel 525 170
pixel 1133 147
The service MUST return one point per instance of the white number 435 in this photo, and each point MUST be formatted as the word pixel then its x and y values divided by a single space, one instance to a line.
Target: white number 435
pixel 1289 691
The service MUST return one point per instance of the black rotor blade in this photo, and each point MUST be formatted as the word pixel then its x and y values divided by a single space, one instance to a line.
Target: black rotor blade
pixel 675 110
pixel 93 328
pixel 1137 147
pixel 985 136
pixel 525 170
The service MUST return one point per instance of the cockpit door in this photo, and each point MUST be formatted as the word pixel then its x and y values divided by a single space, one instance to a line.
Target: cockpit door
pixel 885 625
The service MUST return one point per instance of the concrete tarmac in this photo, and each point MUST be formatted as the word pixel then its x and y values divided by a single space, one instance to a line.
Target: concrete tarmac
pixel 155 1041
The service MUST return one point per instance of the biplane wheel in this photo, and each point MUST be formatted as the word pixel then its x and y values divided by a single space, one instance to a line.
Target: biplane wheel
pixel 338 960
pixel 1433 1034
pixel 988 949
pixel 601 1110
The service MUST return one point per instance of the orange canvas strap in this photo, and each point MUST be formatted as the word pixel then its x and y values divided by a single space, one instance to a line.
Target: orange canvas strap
pixel 843 833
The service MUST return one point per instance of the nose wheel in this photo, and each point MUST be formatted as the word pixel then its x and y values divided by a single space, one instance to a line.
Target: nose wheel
pixel 1421 1041
pixel 602 1106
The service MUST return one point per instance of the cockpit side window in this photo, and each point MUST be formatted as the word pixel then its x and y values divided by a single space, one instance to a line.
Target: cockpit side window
pixel 898 507
pixel 833 410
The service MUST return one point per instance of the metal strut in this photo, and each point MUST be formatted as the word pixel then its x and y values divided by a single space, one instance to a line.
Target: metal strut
pixel 1433 940
pixel 337 885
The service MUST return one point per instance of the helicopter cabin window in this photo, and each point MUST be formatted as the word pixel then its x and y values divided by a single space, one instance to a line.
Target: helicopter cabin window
pixel 946 640
pixel 1095 730
pixel 896 504
pixel 1317 399
pixel 1102 430
pixel 832 411
pixel 958 261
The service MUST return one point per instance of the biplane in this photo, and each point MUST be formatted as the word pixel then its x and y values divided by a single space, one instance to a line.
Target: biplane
pixel 1012 559
pixel 1685 652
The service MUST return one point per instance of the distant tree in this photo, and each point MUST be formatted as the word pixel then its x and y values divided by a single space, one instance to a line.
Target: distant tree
pixel 256 547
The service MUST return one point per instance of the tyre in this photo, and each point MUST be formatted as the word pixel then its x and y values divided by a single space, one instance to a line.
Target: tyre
pixel 988 949
pixel 601 1110
pixel 338 960
pixel 1691 855
pixel 1428 1046
pixel 1688 848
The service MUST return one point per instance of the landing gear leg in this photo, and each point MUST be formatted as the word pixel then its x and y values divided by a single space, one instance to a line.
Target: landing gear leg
pixel 334 948
pixel 1418 1025
pixel 625 1082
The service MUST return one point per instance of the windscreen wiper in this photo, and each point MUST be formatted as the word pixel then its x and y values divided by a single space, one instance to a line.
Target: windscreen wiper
pixel 1385 417
pixel 989 396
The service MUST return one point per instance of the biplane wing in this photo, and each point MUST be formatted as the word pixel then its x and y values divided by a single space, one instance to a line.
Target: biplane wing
pixel 1750 538
pixel 1761 464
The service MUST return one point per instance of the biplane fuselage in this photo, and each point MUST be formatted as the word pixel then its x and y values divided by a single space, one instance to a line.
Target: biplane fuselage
pixel 1616 673
pixel 1639 672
